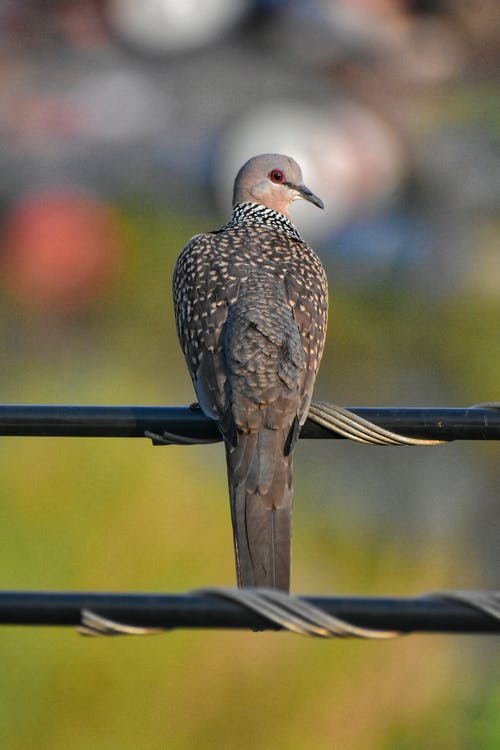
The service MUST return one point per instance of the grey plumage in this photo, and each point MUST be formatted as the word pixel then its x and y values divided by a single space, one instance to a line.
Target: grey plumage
pixel 251 306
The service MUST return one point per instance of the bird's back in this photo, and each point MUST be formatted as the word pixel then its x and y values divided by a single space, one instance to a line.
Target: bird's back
pixel 251 300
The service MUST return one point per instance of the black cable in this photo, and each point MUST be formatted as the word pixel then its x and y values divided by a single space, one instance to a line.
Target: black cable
pixel 473 423
pixel 425 614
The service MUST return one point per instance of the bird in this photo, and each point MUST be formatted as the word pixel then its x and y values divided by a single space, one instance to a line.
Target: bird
pixel 251 307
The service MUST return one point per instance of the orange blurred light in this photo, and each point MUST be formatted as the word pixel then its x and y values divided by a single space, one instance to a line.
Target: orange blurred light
pixel 60 251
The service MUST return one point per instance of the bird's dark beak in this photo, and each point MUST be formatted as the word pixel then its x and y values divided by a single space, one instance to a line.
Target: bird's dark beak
pixel 307 195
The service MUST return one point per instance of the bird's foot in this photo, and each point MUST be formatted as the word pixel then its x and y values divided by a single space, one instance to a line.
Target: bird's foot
pixel 170 438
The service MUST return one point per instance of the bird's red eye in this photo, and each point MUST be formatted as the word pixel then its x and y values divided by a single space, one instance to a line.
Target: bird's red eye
pixel 277 175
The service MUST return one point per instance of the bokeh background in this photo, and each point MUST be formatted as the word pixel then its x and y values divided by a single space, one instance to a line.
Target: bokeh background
pixel 122 124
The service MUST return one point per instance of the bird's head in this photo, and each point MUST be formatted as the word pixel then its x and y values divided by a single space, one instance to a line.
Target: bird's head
pixel 274 180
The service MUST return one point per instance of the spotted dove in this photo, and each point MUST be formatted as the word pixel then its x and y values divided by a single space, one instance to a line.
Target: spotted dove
pixel 251 305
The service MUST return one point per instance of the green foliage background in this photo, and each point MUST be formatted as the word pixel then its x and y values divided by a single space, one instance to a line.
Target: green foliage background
pixel 121 515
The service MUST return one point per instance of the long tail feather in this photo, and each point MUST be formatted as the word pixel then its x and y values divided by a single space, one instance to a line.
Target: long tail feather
pixel 260 488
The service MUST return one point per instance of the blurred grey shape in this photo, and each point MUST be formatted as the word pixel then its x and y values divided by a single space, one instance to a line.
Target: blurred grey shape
pixel 170 26
pixel 120 105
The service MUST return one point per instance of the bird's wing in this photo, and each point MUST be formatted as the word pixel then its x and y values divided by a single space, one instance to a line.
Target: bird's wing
pixel 308 300
pixel 202 293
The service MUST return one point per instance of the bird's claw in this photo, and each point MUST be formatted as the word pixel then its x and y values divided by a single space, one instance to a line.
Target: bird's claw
pixel 170 438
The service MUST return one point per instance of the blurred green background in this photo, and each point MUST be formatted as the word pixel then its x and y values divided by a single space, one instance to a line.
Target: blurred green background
pixel 120 515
